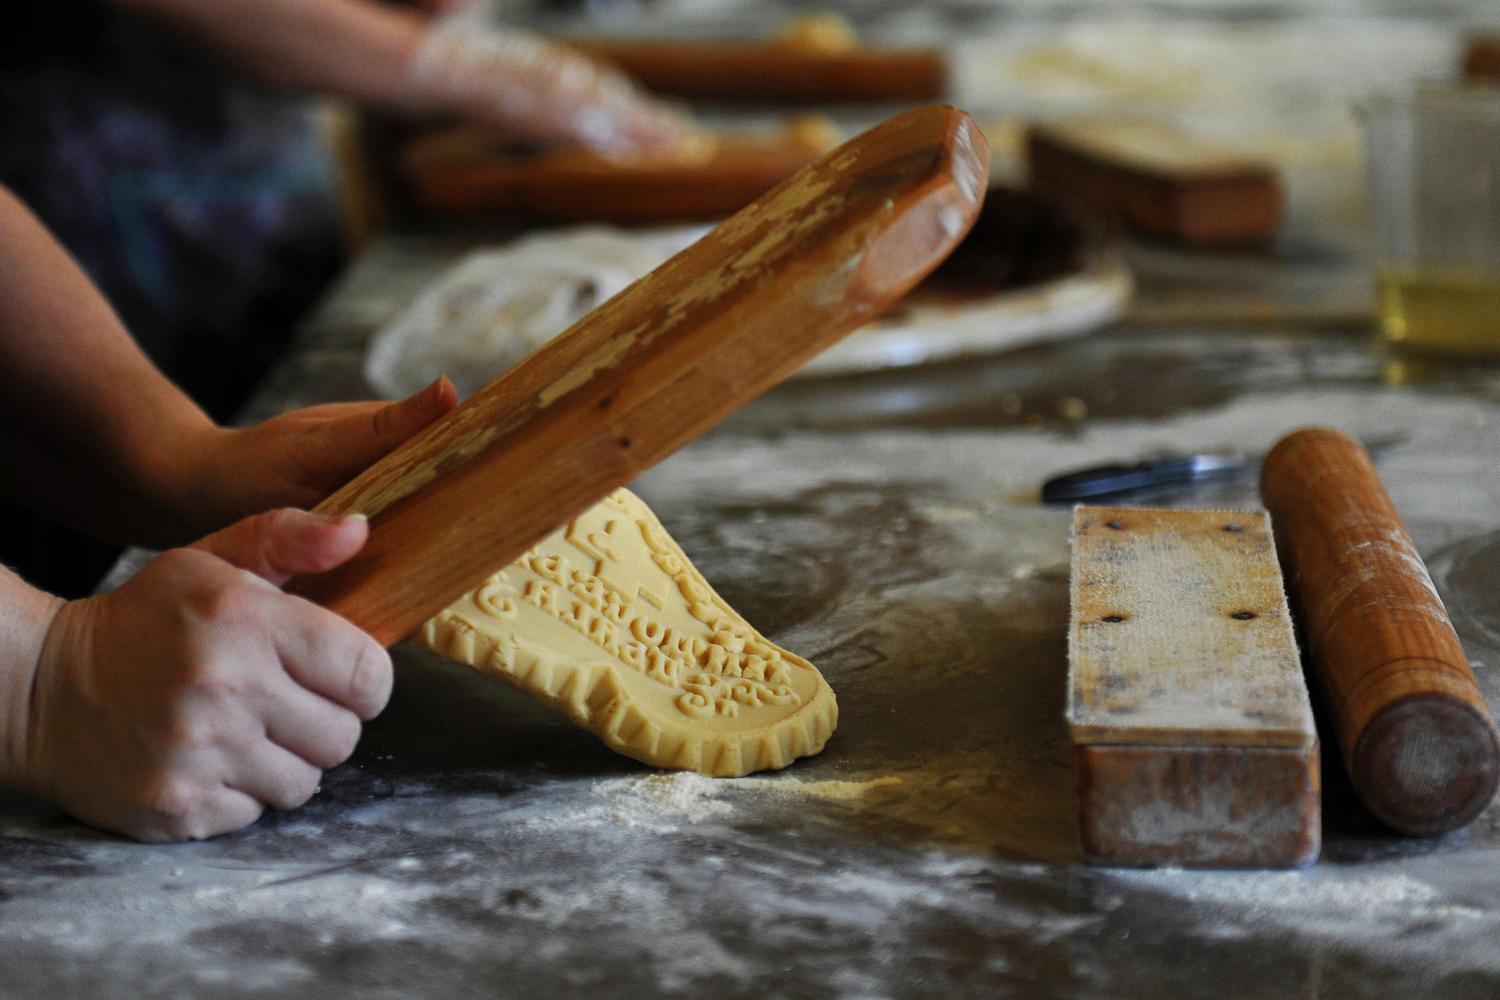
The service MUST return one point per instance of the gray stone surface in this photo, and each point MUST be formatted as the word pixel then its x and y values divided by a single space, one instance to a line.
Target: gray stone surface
pixel 475 845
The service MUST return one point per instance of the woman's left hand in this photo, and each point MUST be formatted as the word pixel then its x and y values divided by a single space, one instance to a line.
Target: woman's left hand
pixel 295 459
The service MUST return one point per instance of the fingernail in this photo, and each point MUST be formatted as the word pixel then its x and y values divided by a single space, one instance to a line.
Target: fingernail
pixel 430 399
pixel 356 516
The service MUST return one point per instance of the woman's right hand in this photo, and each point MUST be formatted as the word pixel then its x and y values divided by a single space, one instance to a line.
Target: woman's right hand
pixel 184 703
pixel 537 90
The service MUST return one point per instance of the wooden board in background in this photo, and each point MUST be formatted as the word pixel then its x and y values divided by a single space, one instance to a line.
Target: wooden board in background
pixel 463 172
pixel 774 71
pixel 1158 182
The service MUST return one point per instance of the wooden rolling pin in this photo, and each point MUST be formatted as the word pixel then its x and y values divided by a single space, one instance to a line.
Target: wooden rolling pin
pixel 1416 735
pixel 1159 181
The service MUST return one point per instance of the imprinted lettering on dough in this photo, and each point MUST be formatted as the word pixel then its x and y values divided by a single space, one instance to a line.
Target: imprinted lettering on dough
pixel 607 621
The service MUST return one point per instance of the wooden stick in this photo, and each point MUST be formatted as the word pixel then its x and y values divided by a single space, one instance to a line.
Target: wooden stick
pixel 448 176
pixel 655 366
pixel 731 71
pixel 1416 735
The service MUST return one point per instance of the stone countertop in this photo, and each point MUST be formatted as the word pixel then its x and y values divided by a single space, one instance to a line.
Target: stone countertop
pixel 888 528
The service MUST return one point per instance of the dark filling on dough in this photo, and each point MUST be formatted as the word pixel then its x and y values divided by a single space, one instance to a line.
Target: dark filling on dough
pixel 1020 238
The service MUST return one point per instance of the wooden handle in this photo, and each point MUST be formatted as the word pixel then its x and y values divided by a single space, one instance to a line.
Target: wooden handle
pixel 728 71
pixel 655 366
pixel 1417 737
pixel 457 172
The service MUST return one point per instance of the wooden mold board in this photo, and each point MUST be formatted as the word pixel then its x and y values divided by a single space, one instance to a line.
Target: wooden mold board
pixel 1159 181
pixel 773 72
pixel 460 171
pixel 1187 707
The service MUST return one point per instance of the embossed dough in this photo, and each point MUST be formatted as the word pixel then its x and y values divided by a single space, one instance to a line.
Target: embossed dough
pixel 607 621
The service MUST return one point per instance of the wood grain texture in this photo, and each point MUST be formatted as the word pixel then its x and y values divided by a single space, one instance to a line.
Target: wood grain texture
pixel 1180 632
pixel 1206 807
pixel 1417 737
pixel 1191 722
pixel 1197 199
pixel 655 366
pixel 776 72
pixel 460 172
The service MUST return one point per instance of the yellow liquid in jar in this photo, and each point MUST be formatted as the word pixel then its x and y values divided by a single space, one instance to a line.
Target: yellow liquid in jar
pixel 1441 310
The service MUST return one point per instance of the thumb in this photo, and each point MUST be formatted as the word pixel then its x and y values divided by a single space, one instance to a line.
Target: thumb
pixel 392 423
pixel 360 434
pixel 280 544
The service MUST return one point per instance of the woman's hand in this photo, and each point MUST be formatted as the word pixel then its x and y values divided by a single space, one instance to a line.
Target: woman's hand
pixel 218 475
pixel 536 90
pixel 406 61
pixel 198 694
pixel 91 432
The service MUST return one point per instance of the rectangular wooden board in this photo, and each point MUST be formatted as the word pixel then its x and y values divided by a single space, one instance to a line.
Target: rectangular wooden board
pixel 1186 703
pixel 773 72
pixel 1159 182
pixel 461 171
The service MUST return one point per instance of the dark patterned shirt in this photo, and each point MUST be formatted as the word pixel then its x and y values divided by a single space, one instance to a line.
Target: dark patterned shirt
pixel 201 204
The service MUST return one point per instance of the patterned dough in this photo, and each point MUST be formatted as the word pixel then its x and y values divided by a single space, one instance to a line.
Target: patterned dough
pixel 607 621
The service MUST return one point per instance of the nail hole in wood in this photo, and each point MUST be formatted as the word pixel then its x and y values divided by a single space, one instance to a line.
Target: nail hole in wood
pixel 624 442
pixel 1234 527
pixel 1114 525
pixel 1113 619
pixel 1242 616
